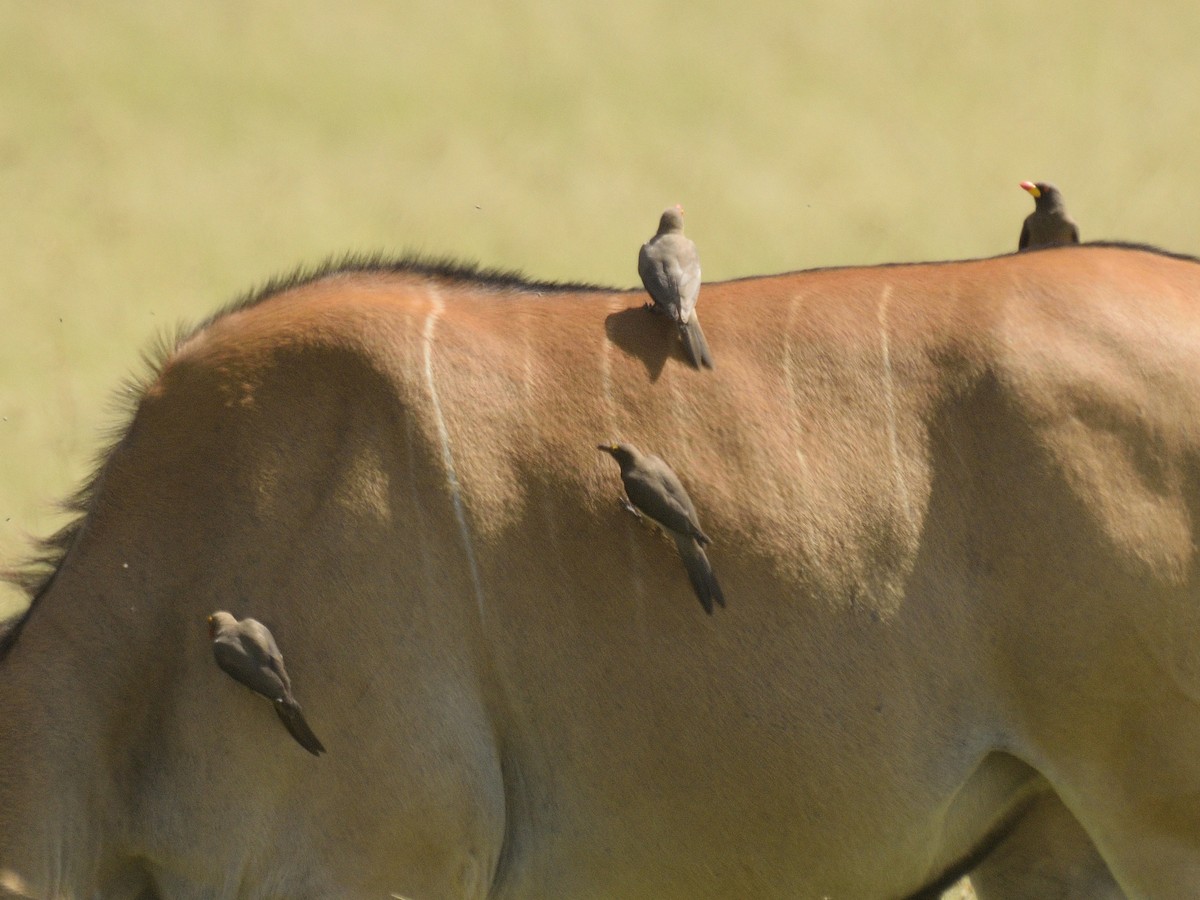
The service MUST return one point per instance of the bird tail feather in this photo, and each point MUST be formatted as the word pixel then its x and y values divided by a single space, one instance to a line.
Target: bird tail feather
pixel 695 343
pixel 700 573
pixel 293 720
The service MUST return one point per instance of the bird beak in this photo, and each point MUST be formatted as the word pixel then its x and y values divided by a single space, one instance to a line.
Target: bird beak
pixel 1032 188
pixel 607 448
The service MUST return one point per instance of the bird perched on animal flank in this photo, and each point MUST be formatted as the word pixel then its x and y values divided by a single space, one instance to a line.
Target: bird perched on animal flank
pixel 655 490
pixel 670 269
pixel 1048 225
pixel 247 653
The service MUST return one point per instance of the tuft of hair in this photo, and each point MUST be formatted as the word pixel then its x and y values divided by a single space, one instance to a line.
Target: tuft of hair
pixel 34 574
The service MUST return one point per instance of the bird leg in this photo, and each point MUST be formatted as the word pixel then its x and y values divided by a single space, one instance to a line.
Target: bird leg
pixel 629 507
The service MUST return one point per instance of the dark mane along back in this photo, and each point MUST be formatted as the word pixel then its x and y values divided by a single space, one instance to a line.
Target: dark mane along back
pixel 1115 245
pixel 436 268
pixel 1145 248
pixel 36 573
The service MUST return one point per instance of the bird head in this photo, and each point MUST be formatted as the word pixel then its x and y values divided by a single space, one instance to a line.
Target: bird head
pixel 1044 194
pixel 623 453
pixel 217 621
pixel 671 220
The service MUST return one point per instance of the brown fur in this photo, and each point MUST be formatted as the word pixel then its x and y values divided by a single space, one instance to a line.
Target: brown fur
pixel 952 508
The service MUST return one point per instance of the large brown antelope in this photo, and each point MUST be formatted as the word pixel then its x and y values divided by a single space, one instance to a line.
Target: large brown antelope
pixel 953 508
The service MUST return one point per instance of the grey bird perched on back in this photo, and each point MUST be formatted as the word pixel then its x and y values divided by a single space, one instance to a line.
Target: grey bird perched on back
pixel 670 270
pixel 246 652
pixel 1048 225
pixel 656 491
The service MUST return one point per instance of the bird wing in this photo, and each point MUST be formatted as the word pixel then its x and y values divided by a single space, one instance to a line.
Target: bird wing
pixel 1024 241
pixel 657 491
pixel 260 644
pixel 660 275
pixel 688 261
pixel 247 668
pixel 1074 233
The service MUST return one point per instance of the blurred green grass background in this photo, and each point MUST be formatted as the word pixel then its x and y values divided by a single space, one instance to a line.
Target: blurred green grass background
pixel 158 159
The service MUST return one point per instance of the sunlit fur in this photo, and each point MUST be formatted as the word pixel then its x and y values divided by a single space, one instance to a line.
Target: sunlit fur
pixel 951 505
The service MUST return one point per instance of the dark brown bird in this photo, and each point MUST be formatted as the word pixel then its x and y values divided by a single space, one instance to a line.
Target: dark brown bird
pixel 655 490
pixel 247 653
pixel 1048 225
pixel 670 270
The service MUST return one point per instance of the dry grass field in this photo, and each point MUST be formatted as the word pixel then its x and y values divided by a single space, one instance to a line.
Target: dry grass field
pixel 156 160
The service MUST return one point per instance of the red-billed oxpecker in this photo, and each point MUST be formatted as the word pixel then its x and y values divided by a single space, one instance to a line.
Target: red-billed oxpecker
pixel 247 653
pixel 670 269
